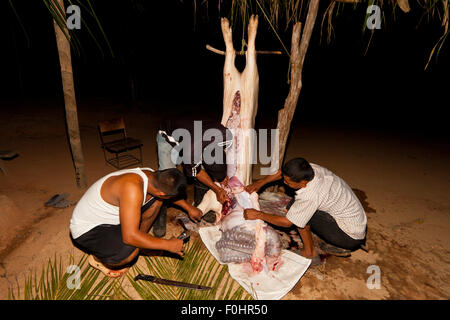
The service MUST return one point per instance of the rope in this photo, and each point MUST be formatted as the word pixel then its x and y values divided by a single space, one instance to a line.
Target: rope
pixel 276 33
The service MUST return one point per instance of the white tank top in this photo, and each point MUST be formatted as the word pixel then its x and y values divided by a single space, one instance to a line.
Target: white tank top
pixel 92 210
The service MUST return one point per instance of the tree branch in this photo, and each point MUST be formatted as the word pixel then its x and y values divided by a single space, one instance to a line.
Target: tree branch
pixel 208 47
pixel 298 53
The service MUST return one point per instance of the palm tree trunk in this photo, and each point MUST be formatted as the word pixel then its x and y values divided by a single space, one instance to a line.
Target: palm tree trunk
pixel 65 61
pixel 298 52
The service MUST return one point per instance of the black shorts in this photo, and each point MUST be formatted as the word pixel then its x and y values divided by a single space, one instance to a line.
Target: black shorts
pixel 326 227
pixel 105 243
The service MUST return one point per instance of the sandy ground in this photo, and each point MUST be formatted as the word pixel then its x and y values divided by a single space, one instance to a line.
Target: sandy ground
pixel 405 182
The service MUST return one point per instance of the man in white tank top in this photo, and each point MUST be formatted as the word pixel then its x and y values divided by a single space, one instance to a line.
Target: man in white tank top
pixel 112 219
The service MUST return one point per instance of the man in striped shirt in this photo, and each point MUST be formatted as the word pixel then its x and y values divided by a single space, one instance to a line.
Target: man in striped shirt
pixel 323 203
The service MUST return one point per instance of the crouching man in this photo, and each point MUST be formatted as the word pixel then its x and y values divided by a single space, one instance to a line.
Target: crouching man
pixel 188 133
pixel 324 203
pixel 112 219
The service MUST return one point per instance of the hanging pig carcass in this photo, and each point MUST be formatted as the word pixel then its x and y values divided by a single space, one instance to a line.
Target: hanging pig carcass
pixel 242 240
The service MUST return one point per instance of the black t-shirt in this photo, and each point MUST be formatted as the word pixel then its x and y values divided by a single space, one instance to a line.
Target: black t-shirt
pixel 198 144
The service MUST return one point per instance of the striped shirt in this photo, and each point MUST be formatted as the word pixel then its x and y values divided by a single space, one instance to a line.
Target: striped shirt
pixel 327 192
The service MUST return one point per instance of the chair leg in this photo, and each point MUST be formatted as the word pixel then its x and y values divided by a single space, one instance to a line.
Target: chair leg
pixel 104 154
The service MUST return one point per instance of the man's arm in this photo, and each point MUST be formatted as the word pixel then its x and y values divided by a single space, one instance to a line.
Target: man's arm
pixel 258 184
pixel 130 201
pixel 252 214
pixel 204 178
pixel 308 249
pixel 193 212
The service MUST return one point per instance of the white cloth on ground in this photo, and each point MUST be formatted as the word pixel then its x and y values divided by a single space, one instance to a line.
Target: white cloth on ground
pixel 267 285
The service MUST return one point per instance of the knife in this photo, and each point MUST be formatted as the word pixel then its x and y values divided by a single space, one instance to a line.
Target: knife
pixel 170 282
pixel 185 235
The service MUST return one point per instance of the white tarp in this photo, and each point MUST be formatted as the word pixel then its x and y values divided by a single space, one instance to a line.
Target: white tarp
pixel 267 285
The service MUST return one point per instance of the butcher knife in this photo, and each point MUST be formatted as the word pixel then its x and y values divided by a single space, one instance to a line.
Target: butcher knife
pixel 170 282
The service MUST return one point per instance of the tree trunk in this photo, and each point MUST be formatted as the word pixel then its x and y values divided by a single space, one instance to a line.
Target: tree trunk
pixel 70 102
pixel 298 52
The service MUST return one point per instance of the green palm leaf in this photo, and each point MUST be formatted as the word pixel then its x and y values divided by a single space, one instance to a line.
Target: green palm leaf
pixel 53 284
pixel 198 266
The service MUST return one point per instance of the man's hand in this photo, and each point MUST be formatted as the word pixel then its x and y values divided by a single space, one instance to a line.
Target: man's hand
pixel 258 184
pixel 176 246
pixel 254 187
pixel 251 214
pixel 221 195
pixel 195 214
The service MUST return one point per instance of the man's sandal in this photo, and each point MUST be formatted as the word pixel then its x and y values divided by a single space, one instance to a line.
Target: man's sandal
pixel 107 272
pixel 315 261
pixel 335 251
pixel 64 203
pixel 55 199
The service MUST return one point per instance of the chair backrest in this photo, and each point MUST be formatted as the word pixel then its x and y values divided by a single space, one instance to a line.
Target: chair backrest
pixel 112 128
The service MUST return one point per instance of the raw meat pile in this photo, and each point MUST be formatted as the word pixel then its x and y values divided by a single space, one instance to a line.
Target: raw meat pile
pixel 243 240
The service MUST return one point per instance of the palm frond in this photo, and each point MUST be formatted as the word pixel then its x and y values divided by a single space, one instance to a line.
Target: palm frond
pixel 198 266
pixel 22 26
pixel 276 12
pixel 53 283
pixel 59 16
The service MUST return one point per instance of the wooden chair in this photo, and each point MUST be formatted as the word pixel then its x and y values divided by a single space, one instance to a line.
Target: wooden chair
pixel 114 141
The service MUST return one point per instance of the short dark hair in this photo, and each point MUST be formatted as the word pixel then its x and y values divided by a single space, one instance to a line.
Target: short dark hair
pixel 298 169
pixel 170 181
pixel 217 171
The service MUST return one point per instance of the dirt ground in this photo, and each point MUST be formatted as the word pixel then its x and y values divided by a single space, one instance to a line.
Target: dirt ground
pixel 405 181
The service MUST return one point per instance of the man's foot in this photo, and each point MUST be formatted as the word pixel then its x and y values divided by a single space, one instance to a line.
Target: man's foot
pixel 365 247
pixel 316 259
pixel 333 250
pixel 107 272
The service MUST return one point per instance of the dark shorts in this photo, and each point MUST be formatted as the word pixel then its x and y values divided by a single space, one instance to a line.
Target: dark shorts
pixel 105 243
pixel 326 227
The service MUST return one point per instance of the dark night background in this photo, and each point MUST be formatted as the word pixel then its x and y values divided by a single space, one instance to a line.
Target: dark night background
pixel 377 120
pixel 387 89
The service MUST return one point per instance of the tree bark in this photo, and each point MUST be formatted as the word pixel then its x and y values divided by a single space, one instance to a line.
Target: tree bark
pixel 299 48
pixel 70 103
